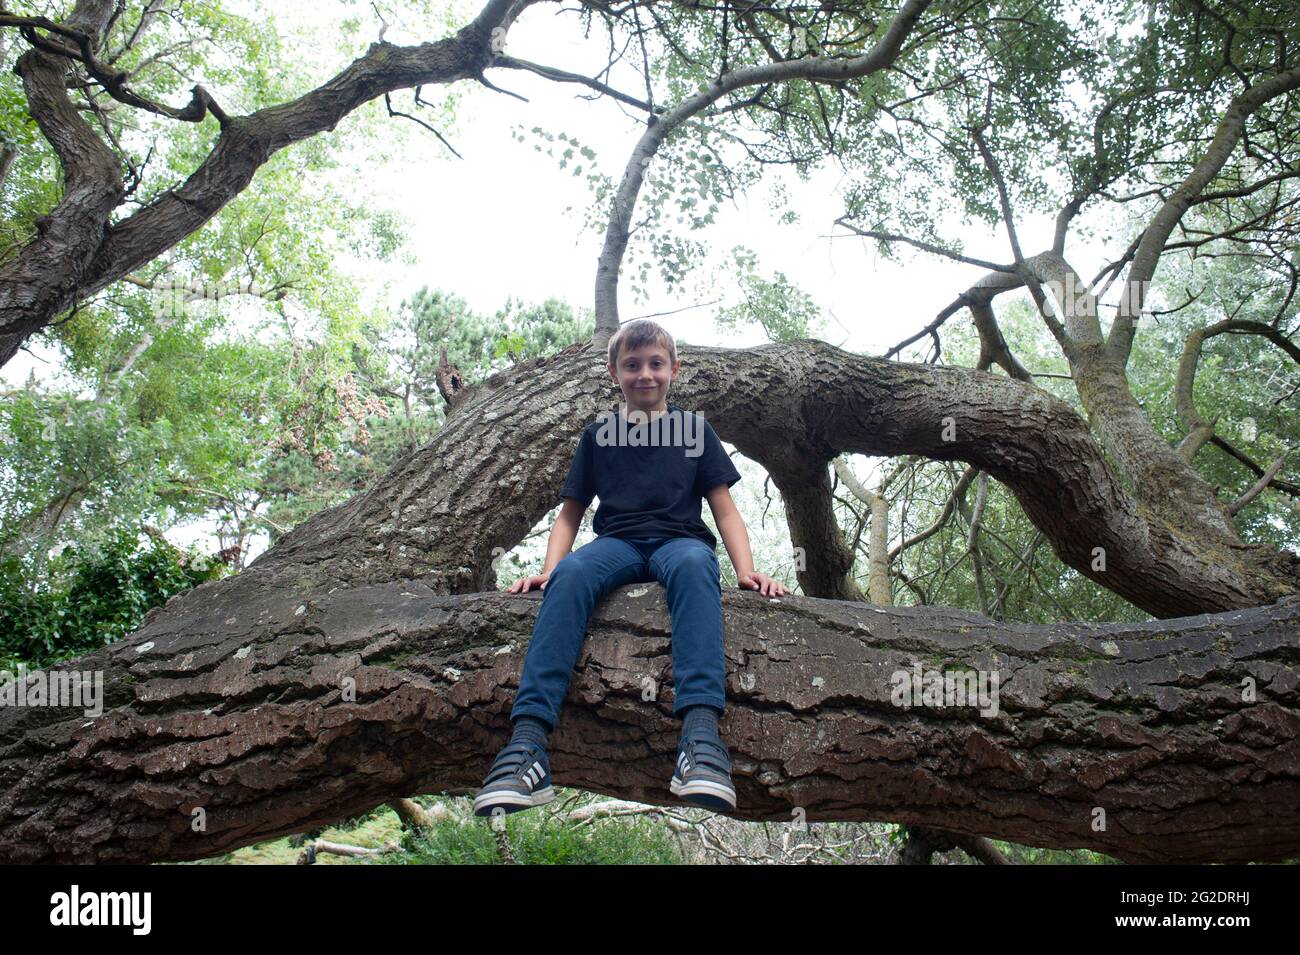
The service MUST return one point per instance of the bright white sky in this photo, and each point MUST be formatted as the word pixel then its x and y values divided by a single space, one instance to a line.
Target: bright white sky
pixel 495 224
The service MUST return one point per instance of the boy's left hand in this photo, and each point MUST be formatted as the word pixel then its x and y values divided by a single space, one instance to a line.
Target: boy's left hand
pixel 762 583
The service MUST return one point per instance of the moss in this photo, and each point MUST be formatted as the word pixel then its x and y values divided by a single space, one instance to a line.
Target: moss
pixel 394 659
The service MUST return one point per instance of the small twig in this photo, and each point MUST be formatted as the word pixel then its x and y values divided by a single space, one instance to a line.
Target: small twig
pixel 392 112
pixel 1255 489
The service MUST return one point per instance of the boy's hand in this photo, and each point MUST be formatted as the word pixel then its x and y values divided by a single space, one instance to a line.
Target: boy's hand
pixel 523 583
pixel 762 583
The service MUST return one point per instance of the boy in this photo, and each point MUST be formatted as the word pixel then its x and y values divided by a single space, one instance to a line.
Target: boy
pixel 650 465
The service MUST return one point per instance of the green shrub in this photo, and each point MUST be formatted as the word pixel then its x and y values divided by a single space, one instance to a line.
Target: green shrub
pixel 89 597
pixel 536 839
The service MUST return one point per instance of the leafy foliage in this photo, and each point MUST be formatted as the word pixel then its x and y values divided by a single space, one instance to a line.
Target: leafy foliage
pixel 535 840
pixel 89 598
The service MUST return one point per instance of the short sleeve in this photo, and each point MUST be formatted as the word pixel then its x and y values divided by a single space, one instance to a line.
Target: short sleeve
pixel 581 482
pixel 715 466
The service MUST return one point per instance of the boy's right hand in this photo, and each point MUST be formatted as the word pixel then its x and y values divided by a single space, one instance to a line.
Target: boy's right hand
pixel 522 584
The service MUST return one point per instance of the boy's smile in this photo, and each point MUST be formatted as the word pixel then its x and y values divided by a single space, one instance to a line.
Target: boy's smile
pixel 645 374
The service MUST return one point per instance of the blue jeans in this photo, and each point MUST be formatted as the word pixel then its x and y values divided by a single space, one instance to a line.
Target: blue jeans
pixel 688 569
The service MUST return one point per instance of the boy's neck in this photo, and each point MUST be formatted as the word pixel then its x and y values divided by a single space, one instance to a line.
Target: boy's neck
pixel 654 412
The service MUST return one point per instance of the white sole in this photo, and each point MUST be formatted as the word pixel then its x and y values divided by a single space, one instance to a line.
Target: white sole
pixel 705 787
pixel 499 798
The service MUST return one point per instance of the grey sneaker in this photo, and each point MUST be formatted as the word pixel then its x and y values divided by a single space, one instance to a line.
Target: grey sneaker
pixel 703 775
pixel 520 778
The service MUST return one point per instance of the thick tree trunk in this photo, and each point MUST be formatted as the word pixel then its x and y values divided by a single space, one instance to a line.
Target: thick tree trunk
pixel 43 279
pixel 231 723
pixel 1163 479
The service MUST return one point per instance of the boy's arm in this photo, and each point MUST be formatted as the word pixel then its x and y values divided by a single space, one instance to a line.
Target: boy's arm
pixel 736 539
pixel 732 528
pixel 563 533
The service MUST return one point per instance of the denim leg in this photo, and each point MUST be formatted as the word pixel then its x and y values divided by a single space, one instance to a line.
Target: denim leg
pixel 576 585
pixel 689 571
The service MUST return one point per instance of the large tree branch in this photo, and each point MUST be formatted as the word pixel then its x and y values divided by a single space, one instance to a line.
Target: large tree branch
pixel 800 474
pixel 804 399
pixel 79 253
pixel 224 725
pixel 43 278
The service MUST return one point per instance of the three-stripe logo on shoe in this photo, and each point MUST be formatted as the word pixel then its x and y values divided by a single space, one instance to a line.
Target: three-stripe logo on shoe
pixel 534 774
pixel 683 763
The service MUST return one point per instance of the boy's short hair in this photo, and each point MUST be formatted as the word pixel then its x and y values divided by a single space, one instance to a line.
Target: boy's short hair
pixel 638 333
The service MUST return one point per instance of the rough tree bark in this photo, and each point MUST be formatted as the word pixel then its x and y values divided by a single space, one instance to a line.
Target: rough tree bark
pixel 243 712
pixel 230 698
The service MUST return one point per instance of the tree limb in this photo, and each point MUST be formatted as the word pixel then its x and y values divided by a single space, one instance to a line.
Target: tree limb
pixel 1152 243
pixel 281 715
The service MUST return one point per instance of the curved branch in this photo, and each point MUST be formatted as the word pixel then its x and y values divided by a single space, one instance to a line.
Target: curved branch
pixel 993 347
pixel 1199 431
pixel 775 404
pixel 40 281
pixel 813 68
pixel 1152 243
pixel 86 254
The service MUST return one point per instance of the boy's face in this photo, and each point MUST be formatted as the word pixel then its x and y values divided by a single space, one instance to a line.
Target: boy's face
pixel 644 374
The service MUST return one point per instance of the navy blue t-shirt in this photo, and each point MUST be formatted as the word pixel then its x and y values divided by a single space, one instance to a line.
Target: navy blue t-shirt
pixel 650 478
